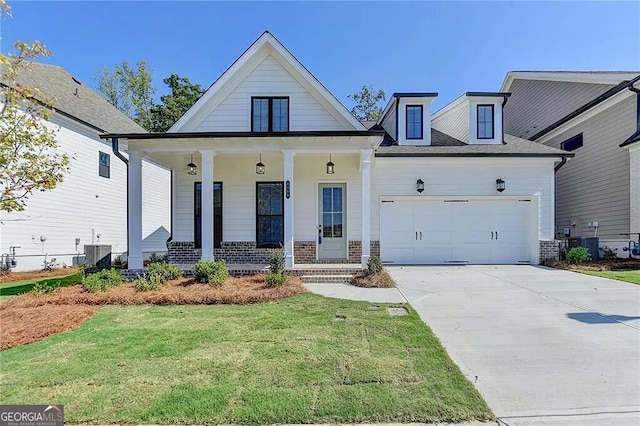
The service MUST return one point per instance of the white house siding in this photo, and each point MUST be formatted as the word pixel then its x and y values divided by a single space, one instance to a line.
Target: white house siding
pixel 85 206
pixel 594 185
pixel 454 122
pixel 238 177
pixel 156 207
pixel 464 177
pixel 389 122
pixel 269 78
pixel 541 103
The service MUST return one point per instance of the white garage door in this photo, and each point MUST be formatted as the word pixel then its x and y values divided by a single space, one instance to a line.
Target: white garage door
pixel 457 231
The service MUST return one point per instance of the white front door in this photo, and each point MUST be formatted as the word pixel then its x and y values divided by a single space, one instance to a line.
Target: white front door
pixel 332 230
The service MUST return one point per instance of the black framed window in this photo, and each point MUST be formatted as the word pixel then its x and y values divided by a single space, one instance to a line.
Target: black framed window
pixel 217 214
pixel 269 114
pixel 573 143
pixel 104 164
pixel 269 214
pixel 414 121
pixel 485 122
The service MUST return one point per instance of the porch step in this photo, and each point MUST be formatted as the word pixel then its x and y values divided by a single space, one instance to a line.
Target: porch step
pixel 326 279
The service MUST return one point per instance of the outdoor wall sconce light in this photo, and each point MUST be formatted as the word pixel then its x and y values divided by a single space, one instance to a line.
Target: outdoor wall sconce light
pixel 330 165
pixel 192 169
pixel 500 185
pixel 260 168
pixel 420 185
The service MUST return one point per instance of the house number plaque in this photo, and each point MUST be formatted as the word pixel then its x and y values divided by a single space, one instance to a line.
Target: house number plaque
pixel 288 190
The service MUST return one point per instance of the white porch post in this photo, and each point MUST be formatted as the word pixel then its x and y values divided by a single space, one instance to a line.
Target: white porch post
pixel 134 213
pixel 287 156
pixel 207 204
pixel 365 168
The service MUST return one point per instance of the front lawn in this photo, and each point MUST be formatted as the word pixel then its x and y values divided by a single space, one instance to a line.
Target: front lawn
pixel 632 276
pixel 12 288
pixel 305 359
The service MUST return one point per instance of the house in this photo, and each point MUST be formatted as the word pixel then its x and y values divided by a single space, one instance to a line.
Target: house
pixel 268 157
pixel 90 205
pixel 596 116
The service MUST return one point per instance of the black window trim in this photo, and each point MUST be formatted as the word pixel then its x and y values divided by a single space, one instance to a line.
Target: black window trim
pixel 195 215
pixel 407 121
pixel 571 139
pixel 107 166
pixel 269 182
pixel 493 121
pixel 270 112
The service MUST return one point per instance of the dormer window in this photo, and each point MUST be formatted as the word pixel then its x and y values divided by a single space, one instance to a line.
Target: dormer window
pixel 269 114
pixel 485 122
pixel 414 121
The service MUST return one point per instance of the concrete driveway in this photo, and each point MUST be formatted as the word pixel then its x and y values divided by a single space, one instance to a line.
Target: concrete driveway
pixel 543 346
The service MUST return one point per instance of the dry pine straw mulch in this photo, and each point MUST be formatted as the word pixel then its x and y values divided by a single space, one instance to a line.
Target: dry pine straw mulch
pixel 31 317
pixel 381 280
pixel 597 265
pixel 29 275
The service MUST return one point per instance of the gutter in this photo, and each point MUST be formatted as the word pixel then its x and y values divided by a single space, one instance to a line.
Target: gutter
pixel 562 163
pixel 504 102
pixel 116 151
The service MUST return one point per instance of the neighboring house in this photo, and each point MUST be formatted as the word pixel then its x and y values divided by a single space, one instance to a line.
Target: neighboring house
pixel 286 164
pixel 90 205
pixel 596 116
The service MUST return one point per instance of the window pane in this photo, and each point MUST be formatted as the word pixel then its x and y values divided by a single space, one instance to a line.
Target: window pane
pixel 326 200
pixel 326 225
pixel 414 122
pixel 337 225
pixel 260 115
pixel 270 230
pixel 280 115
pixel 337 199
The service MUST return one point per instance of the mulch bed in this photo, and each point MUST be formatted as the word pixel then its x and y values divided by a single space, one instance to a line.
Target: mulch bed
pixel 381 280
pixel 29 275
pixel 32 317
pixel 597 265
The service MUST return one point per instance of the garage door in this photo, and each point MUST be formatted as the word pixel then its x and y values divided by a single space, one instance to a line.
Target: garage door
pixel 456 231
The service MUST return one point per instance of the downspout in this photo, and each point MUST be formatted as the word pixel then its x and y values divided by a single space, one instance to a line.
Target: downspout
pixel 116 151
pixel 171 211
pixel 562 163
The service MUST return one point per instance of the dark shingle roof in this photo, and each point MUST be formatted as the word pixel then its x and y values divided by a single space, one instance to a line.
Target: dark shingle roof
pixel 74 99
pixel 513 147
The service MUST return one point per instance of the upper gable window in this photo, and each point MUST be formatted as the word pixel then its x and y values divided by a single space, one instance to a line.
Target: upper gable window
pixel 573 143
pixel 414 121
pixel 104 164
pixel 269 114
pixel 485 122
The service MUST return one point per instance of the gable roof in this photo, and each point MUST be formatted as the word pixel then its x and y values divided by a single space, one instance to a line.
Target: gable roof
pixel 75 100
pixel 265 41
pixel 594 77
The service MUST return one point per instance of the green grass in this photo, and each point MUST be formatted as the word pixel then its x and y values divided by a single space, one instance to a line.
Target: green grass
pixel 630 276
pixel 283 362
pixel 18 287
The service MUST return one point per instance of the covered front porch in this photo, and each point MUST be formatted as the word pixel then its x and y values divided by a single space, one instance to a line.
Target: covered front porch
pixel 308 194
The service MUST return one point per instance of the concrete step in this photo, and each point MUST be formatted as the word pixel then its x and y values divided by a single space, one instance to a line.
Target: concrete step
pixel 326 279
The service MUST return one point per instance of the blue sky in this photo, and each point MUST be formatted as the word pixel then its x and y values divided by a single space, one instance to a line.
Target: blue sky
pixel 446 47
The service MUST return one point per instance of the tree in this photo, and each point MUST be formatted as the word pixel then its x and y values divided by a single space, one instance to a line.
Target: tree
pixel 130 90
pixel 366 103
pixel 183 95
pixel 30 159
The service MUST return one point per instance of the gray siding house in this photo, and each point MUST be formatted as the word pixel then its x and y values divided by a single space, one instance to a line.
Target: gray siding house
pixel 594 115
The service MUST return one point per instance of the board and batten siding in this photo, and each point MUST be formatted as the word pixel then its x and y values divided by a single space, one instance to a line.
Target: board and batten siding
pixel 269 78
pixel 541 103
pixel 454 122
pixel 237 174
pixel 595 184
pixel 451 177
pixel 85 205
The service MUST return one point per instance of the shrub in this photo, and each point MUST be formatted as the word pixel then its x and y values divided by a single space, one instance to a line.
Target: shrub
pixel 212 272
pixel 578 255
pixel 43 287
pixel 273 279
pixel 118 260
pixel 149 282
pixel 102 280
pixel 166 271
pixel 374 265
pixel 608 253
pixel 156 258
pixel 277 262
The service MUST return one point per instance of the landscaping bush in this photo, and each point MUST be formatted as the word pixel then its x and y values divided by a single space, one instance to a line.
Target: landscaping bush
pixel 277 273
pixel 149 282
pixel 578 255
pixel 374 265
pixel 167 271
pixel 608 253
pixel 43 287
pixel 212 272
pixel 102 280
pixel 156 258
pixel 274 280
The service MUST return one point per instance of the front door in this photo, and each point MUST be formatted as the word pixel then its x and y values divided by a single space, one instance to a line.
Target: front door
pixel 332 230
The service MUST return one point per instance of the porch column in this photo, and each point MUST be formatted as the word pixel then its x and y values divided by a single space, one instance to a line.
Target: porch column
pixel 134 212
pixel 207 204
pixel 365 169
pixel 287 156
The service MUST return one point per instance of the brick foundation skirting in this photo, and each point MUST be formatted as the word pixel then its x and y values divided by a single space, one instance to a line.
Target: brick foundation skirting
pixel 549 250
